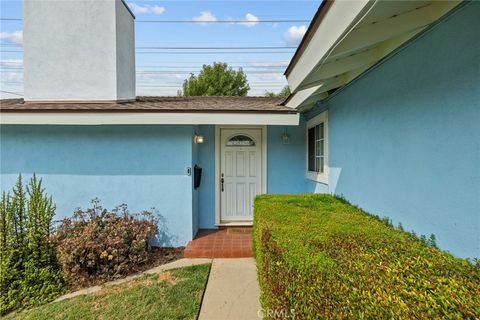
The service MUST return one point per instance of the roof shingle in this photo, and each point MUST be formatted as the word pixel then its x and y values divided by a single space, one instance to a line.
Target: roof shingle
pixel 157 104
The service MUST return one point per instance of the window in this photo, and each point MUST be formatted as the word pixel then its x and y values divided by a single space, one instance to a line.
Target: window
pixel 317 148
pixel 241 141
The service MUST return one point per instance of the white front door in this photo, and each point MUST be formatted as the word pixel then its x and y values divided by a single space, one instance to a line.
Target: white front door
pixel 240 173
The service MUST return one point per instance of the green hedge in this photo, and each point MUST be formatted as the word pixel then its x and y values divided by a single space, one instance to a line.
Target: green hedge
pixel 320 257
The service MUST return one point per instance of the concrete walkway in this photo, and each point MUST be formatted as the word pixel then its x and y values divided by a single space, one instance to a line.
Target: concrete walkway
pixel 164 267
pixel 232 291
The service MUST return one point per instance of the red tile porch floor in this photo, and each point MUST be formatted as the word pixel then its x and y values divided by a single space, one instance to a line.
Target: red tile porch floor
pixel 232 242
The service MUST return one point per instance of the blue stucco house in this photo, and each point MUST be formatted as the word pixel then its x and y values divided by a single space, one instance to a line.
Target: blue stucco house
pixel 384 110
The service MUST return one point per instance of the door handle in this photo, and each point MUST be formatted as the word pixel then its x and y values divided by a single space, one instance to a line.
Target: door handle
pixel 221 182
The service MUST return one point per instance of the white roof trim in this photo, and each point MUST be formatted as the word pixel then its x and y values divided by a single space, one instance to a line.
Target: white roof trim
pixel 299 97
pixel 138 118
pixel 335 23
pixel 352 37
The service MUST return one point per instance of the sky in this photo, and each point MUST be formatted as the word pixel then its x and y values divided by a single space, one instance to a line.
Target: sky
pixel 161 72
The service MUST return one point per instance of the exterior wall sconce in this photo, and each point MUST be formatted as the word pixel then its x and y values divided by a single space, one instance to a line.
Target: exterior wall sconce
pixel 285 137
pixel 198 138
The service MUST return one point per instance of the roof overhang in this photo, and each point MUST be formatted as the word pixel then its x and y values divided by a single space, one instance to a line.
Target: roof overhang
pixel 145 118
pixel 348 37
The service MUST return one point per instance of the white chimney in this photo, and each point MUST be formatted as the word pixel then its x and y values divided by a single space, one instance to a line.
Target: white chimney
pixel 78 51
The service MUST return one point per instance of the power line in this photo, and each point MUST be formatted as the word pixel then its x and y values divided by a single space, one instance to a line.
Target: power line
pixel 205 21
pixel 237 61
pixel 181 86
pixel 15 45
pixel 209 52
pixel 196 71
pixel 230 65
pixel 219 48
pixel 155 68
pixel 174 71
pixel 14 93
pixel 187 52
pixel 172 83
pixel 226 21
pixel 181 72
pixel 269 62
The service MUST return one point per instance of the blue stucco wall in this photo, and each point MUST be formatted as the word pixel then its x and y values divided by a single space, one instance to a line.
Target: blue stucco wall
pixel 142 166
pixel 195 192
pixel 206 159
pixel 404 139
pixel 286 163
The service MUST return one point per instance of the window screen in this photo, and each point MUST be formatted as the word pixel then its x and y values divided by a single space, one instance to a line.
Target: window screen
pixel 316 148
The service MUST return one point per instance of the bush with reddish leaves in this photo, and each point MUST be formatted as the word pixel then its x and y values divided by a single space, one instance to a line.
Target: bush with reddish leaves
pixel 100 244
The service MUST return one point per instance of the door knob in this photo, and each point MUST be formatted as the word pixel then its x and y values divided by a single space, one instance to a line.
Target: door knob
pixel 221 182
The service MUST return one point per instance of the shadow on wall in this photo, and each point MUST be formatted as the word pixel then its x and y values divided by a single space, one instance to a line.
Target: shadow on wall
pixel 333 180
pixel 164 237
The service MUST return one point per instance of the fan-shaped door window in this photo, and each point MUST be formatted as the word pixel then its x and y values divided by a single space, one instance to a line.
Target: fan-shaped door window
pixel 240 141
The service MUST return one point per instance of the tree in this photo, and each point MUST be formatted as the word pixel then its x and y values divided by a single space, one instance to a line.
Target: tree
pixel 285 92
pixel 216 80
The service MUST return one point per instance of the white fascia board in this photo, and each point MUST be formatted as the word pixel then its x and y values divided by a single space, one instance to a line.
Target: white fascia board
pixel 300 96
pixel 138 118
pixel 336 22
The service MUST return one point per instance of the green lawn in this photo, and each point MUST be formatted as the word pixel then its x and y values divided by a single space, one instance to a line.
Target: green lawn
pixel 174 294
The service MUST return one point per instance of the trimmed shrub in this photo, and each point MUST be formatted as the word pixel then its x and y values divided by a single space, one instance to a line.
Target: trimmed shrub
pixel 320 257
pixel 29 271
pixel 100 244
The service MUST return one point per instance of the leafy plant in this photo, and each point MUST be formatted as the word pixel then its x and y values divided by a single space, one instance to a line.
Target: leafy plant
pixel 29 271
pixel 102 244
pixel 217 80
pixel 320 257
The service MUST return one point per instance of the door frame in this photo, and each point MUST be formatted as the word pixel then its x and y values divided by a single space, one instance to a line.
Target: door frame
pixel 217 169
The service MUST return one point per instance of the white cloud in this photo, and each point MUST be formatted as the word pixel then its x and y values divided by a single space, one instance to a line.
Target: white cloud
pixel 149 77
pixel 143 9
pixel 204 16
pixel 269 63
pixel 157 9
pixel 251 20
pixel 271 77
pixel 14 37
pixel 149 84
pixel 11 77
pixel 294 34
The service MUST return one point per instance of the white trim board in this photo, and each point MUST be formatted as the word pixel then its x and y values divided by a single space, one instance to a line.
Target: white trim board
pixel 217 168
pixel 317 176
pixel 337 20
pixel 135 118
pixel 353 37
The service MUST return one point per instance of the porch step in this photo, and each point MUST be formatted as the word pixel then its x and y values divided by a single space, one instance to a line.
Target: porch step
pixel 221 243
pixel 237 230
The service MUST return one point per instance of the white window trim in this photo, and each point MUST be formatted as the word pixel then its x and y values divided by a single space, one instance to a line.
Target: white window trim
pixel 321 177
